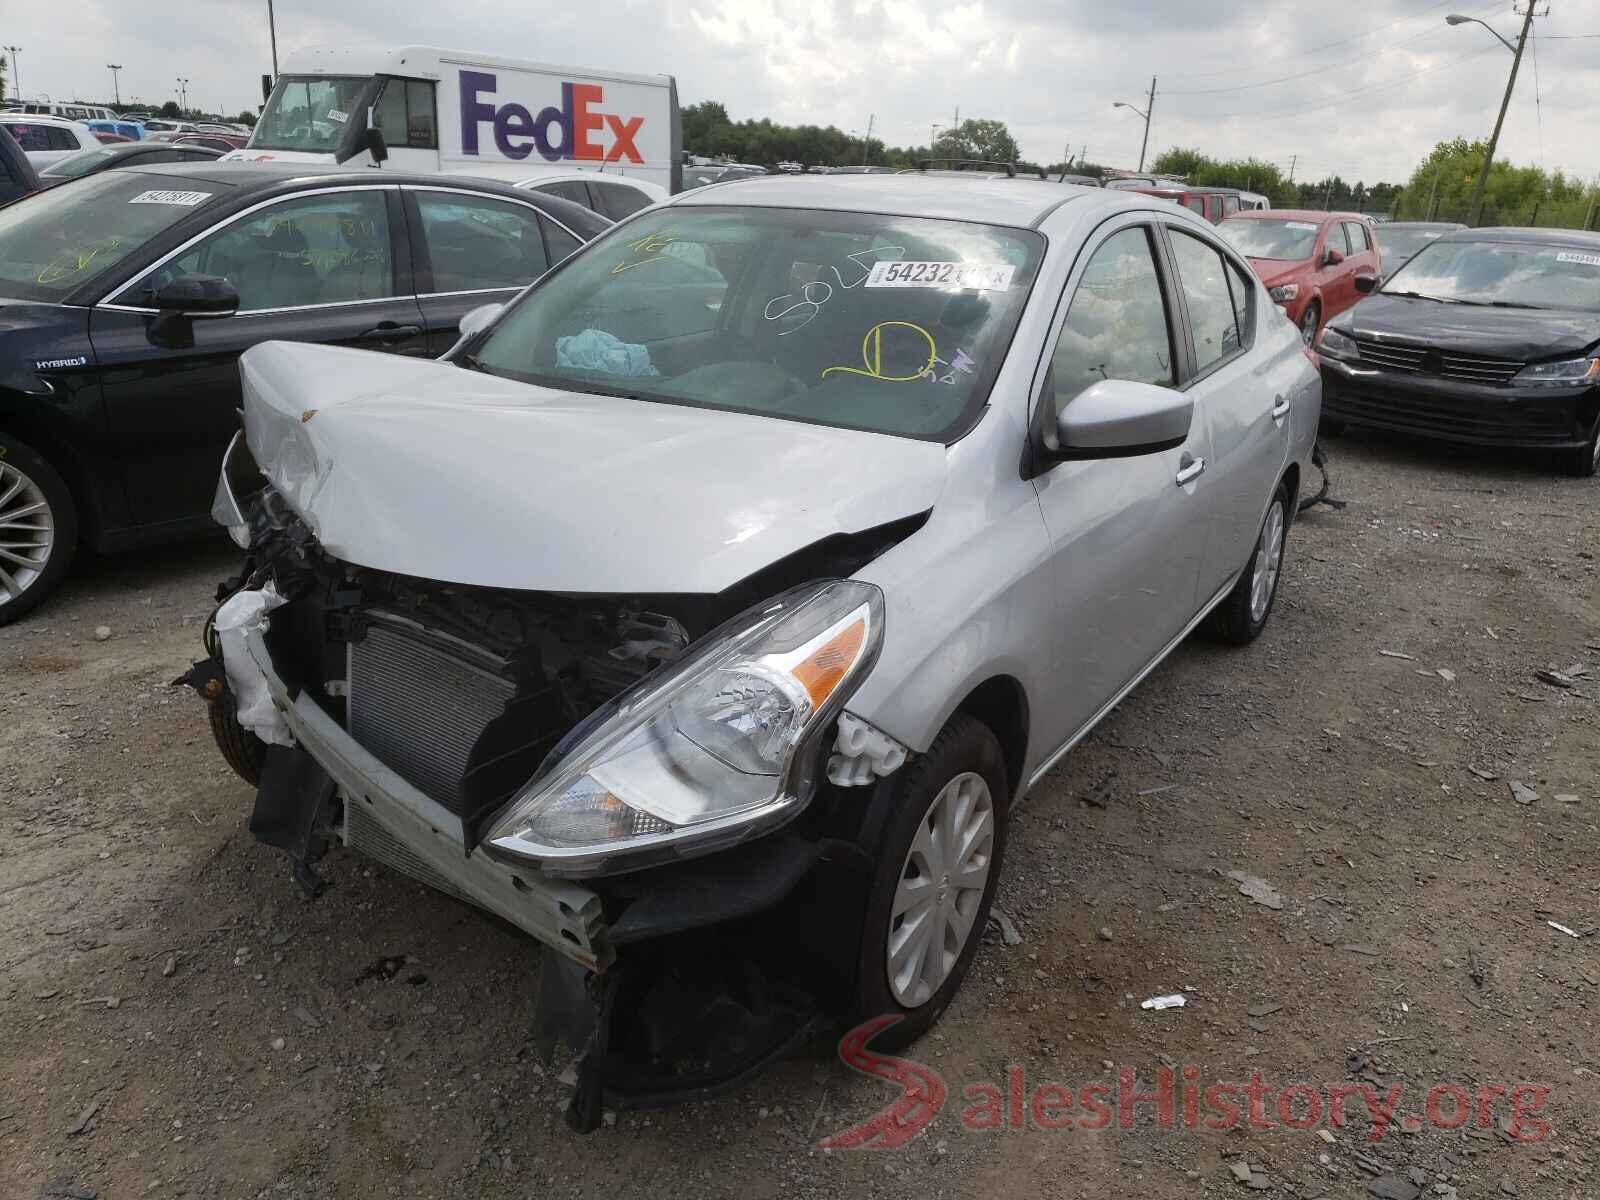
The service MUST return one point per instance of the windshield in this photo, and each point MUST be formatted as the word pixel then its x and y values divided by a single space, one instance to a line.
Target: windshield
pixel 891 324
pixel 1504 274
pixel 1397 245
pixel 65 236
pixel 309 113
pixel 78 164
pixel 1257 238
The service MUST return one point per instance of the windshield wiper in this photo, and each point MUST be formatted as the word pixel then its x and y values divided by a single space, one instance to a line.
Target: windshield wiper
pixel 1420 296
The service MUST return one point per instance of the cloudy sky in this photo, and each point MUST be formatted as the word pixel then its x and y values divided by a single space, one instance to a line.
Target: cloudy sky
pixel 1363 89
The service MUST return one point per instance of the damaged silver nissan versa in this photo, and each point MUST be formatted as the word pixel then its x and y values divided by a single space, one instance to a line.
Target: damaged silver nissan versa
pixel 704 612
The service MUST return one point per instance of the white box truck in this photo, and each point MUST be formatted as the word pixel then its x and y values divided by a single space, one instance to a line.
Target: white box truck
pixel 425 109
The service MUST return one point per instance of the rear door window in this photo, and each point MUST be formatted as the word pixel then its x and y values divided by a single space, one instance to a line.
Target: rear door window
pixel 1336 239
pixel 477 243
pixel 570 189
pixel 1360 238
pixel 1213 320
pixel 617 200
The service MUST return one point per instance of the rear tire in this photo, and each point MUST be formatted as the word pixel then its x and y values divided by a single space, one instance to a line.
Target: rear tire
pixel 243 750
pixel 38 529
pixel 1582 462
pixel 1240 618
pixel 960 780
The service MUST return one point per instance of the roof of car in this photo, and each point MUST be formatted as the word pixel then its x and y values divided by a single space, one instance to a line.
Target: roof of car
pixel 990 201
pixel 1295 214
pixel 266 173
pixel 1535 237
pixel 12 117
pixel 1450 226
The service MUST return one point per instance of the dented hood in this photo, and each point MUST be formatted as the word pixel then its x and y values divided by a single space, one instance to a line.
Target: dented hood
pixel 427 469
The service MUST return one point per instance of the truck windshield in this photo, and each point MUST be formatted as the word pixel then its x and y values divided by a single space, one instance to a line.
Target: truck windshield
pixel 310 112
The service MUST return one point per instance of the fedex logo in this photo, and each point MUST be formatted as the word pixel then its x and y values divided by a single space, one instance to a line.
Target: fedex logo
pixel 557 133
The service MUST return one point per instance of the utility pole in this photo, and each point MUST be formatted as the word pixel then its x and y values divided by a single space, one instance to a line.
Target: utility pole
pixel 1148 113
pixel 116 91
pixel 1476 213
pixel 1327 196
pixel 1433 195
pixel 866 144
pixel 272 29
pixel 16 71
pixel 1294 161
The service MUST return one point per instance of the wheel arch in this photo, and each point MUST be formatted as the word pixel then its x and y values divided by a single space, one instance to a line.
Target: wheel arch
pixel 1001 703
pixel 43 441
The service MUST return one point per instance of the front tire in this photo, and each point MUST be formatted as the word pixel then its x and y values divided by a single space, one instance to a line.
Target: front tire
pixel 1582 462
pixel 38 529
pixel 1241 617
pixel 938 868
pixel 242 750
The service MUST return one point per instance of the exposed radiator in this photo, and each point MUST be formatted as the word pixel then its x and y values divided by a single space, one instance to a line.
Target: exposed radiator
pixel 420 703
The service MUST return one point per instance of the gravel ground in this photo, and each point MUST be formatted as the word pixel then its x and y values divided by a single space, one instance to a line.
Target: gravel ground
pixel 177 1022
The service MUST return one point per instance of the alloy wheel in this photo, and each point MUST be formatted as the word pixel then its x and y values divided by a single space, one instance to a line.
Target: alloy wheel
pixel 27 532
pixel 941 888
pixel 1269 556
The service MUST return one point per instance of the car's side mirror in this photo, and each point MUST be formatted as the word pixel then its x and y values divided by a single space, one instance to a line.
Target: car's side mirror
pixel 187 299
pixel 1366 284
pixel 1332 257
pixel 474 322
pixel 1117 418
pixel 370 140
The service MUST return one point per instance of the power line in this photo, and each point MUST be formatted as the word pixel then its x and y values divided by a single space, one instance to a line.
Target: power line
pixel 1325 46
pixel 1339 97
pixel 1333 66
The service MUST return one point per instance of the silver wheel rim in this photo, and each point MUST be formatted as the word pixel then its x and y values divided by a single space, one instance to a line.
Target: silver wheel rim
pixel 940 890
pixel 27 532
pixel 1308 326
pixel 1269 554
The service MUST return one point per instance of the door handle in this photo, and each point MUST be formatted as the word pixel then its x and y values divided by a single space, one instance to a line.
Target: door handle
pixel 1280 407
pixel 1189 469
pixel 390 331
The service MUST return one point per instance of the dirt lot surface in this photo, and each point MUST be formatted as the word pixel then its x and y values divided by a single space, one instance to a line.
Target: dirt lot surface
pixel 175 1021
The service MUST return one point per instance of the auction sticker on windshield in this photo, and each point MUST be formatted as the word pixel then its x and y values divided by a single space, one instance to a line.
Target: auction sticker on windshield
pixel 941 275
pixel 158 196
pixel 1588 260
pixel 1298 225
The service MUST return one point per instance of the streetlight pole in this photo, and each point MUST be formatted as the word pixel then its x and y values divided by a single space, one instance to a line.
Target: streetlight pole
pixel 16 71
pixel 272 29
pixel 183 94
pixel 116 91
pixel 1476 212
pixel 1144 147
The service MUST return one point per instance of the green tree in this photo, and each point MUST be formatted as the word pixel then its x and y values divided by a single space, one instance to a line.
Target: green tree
pixel 987 140
pixel 170 109
pixel 246 117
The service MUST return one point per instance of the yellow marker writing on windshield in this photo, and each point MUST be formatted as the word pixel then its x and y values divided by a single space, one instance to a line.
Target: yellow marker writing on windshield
pixel 652 245
pixel 75 262
pixel 872 353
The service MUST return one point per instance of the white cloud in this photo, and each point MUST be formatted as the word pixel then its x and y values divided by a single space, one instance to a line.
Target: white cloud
pixel 1048 68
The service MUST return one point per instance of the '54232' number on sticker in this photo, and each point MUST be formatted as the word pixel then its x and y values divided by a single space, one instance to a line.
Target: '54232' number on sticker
pixel 985 277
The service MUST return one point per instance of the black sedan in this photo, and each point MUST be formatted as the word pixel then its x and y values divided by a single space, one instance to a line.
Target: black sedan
pixel 127 297
pixel 119 155
pixel 1486 336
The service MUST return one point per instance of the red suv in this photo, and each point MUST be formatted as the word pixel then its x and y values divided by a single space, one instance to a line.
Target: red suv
pixel 1308 260
pixel 1214 204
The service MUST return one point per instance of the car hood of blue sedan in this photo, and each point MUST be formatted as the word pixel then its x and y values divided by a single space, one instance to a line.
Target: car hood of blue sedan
pixel 429 469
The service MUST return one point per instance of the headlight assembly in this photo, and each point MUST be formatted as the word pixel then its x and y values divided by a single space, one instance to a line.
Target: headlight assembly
pixel 1337 345
pixel 1284 293
pixel 1570 372
pixel 715 747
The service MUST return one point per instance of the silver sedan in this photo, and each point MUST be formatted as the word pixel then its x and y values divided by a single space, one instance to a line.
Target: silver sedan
pixel 715 601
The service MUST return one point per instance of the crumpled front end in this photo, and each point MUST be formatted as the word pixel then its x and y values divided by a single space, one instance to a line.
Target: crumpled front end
pixel 640 782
